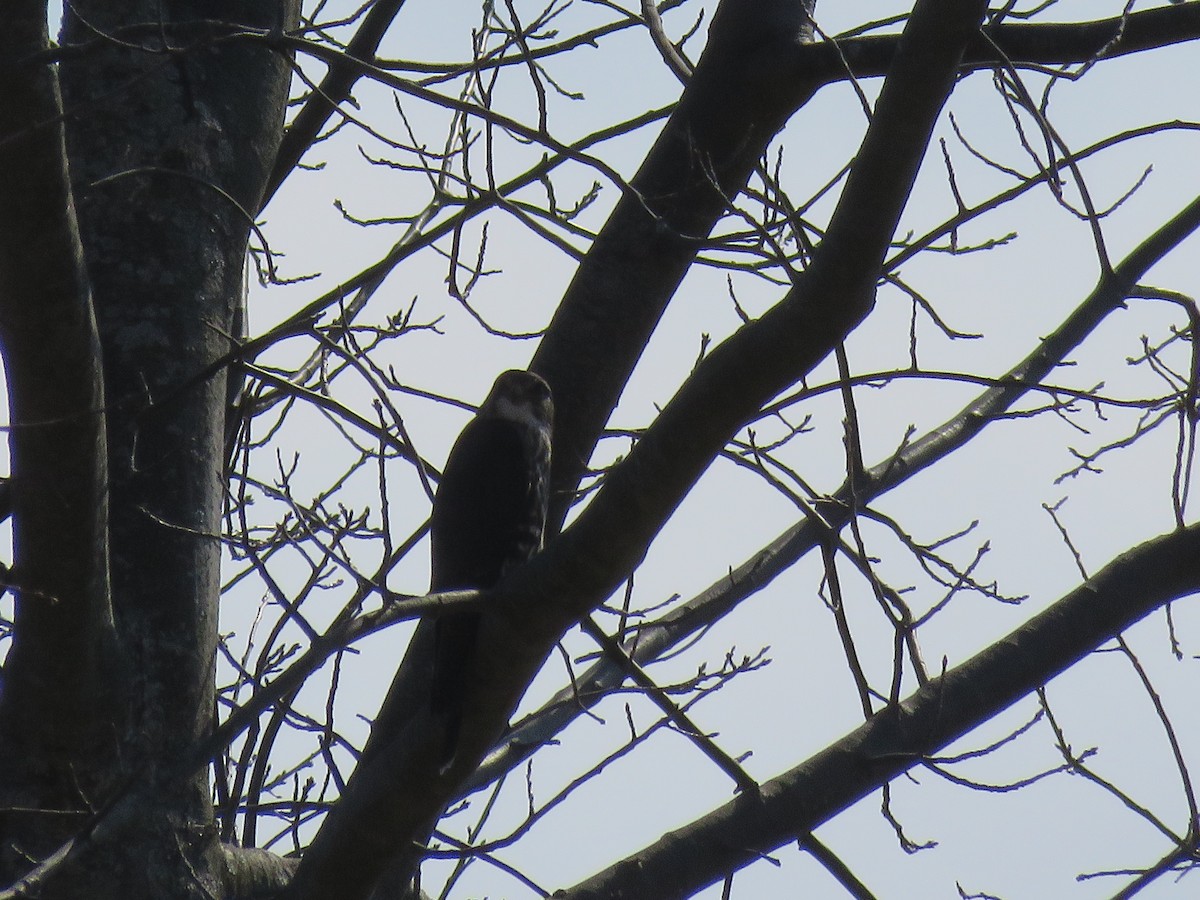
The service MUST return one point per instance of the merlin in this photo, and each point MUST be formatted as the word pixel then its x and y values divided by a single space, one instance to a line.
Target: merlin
pixel 489 516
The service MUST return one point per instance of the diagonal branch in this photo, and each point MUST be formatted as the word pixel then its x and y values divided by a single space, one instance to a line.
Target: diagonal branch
pixel 619 292
pixel 763 567
pixel 763 358
pixel 397 789
pixel 747 83
pixel 684 861
pixel 334 88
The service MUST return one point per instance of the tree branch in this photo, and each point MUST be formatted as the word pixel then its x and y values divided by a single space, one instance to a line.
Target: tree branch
pixel 249 872
pixel 1024 44
pixel 397 787
pixel 683 862
pixel 655 639
pixel 334 88
pixel 747 83
pixel 619 292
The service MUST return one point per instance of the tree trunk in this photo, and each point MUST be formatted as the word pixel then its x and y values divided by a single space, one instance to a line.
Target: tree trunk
pixel 171 129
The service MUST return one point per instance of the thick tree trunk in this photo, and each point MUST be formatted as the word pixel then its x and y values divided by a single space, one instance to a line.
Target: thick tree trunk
pixel 56 705
pixel 171 130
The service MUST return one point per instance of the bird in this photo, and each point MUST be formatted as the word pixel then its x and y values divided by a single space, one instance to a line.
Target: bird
pixel 489 516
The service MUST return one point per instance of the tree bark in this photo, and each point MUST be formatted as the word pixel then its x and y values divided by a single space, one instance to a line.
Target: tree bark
pixel 170 136
pixel 56 709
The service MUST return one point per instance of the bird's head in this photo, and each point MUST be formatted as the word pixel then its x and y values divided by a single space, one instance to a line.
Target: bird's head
pixel 520 396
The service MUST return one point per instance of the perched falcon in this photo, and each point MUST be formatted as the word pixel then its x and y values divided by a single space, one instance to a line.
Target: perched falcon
pixel 488 516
